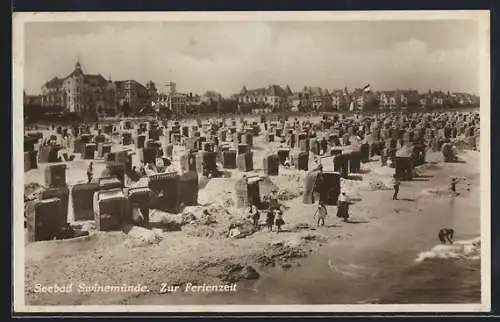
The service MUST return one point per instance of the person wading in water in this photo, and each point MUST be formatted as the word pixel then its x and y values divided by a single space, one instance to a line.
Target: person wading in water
pixel 446 235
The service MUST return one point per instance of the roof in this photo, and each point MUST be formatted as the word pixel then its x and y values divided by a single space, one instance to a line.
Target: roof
pixel 315 91
pixel 95 80
pixel 54 83
pixel 337 92
pixel 271 90
pixel 92 80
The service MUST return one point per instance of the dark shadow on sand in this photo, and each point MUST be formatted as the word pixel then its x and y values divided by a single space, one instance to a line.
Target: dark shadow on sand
pixel 406 199
pixel 424 176
pixel 354 221
pixel 456 161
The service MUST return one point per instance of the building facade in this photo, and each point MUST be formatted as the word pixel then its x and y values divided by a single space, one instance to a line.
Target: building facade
pixel 315 98
pixel 273 96
pixel 133 94
pixel 340 101
pixel 169 98
pixel 79 92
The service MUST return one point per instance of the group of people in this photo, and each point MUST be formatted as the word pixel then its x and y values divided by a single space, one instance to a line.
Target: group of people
pixel 342 210
pixel 273 210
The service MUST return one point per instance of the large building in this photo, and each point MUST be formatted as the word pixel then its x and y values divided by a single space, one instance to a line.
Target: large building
pixel 80 92
pixel 171 99
pixel 133 94
pixel 340 99
pixel 315 98
pixel 273 96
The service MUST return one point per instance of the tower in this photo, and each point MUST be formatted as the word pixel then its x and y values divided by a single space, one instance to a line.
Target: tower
pixel 78 67
pixel 170 88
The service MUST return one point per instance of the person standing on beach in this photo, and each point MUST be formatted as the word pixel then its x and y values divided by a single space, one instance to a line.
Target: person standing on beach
pixel 273 200
pixel 270 219
pixel 90 172
pixel 395 184
pixel 279 220
pixel 320 214
pixel 255 215
pixel 343 207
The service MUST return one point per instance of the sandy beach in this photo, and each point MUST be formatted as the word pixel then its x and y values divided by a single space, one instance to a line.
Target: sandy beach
pixel 269 268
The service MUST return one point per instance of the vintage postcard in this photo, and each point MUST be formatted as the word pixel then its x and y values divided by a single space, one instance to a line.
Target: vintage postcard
pixel 251 162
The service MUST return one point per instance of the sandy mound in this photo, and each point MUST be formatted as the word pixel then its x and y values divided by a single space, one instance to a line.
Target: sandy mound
pixel 32 191
pixel 428 166
pixel 140 237
pixel 217 221
pixel 84 225
pixel 240 228
pixel 216 189
pixel 232 272
pixel 165 221
pixel 284 250
pixel 378 185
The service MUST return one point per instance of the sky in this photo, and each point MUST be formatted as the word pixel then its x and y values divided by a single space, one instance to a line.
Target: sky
pixel 225 56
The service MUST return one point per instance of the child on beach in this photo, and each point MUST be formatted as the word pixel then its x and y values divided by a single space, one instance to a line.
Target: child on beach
pixel 255 215
pixel 270 220
pixel 279 220
pixel 320 214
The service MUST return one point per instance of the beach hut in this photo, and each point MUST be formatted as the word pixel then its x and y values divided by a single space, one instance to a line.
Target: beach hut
pixel 271 165
pixel 82 196
pixel 109 210
pixel 62 193
pixel 329 187
pixel 188 188
pixel 137 199
pixel 55 176
pixel 166 188
pixel 247 191
pixel 46 220
pixel 244 162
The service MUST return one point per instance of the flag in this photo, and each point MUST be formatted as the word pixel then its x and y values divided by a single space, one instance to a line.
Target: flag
pixel 367 88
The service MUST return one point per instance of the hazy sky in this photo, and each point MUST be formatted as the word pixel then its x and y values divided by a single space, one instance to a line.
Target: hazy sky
pixel 227 55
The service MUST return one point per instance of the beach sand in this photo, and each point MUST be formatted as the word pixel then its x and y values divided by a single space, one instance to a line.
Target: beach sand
pixel 202 253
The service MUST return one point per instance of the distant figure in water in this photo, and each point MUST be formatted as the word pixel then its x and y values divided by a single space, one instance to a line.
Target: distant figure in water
pixel 453 185
pixel 446 235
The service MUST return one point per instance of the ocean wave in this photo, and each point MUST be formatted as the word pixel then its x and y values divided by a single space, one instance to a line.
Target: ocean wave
pixel 463 249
